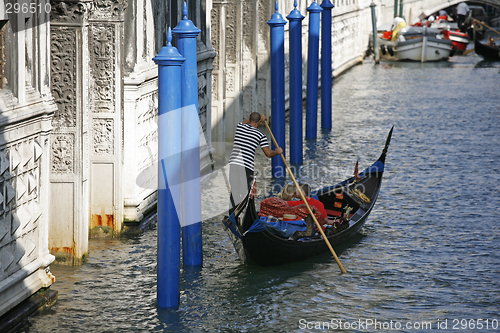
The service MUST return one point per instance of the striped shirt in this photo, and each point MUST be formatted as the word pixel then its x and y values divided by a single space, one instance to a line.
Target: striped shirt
pixel 246 140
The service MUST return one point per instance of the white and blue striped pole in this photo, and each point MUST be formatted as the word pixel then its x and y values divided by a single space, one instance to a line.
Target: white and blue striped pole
pixel 192 255
pixel 169 63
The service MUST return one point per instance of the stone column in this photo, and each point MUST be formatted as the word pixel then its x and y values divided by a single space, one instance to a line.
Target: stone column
pixel 140 146
pixel 232 67
pixel 105 95
pixel 218 38
pixel 69 168
pixel 205 59
pixel 234 78
pixel 263 57
pixel 250 20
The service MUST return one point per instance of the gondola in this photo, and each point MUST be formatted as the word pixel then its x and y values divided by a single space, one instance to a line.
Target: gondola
pixel 488 52
pixel 263 247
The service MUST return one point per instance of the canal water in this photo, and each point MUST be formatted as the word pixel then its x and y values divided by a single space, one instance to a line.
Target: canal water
pixel 427 258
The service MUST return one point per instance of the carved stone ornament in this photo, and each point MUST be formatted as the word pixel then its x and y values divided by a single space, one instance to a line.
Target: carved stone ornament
pixel 215 32
pixel 203 101
pixel 62 153
pixel 102 64
pixel 68 11
pixel 102 137
pixel 63 75
pixel 107 9
pixel 231 31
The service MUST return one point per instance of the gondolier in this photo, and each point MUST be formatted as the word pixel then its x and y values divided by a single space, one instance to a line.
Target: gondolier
pixel 265 240
pixel 241 162
pixel 462 11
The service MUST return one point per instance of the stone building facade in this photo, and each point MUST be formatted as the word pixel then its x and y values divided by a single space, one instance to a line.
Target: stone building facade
pixel 78 111
pixel 26 108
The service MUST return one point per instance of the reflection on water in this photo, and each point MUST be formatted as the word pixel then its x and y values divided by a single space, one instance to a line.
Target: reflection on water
pixel 428 252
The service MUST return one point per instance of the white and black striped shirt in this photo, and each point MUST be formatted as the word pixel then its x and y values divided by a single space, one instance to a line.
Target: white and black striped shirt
pixel 246 140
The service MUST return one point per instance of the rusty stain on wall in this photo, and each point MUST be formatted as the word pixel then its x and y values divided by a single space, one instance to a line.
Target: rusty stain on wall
pixel 102 220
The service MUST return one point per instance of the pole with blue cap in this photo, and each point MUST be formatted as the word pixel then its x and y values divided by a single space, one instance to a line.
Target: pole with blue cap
pixel 326 65
pixel 312 71
pixel 277 24
pixel 295 30
pixel 192 255
pixel 169 63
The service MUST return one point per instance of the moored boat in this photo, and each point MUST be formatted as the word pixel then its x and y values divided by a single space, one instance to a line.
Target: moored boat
pixel 419 44
pixel 449 30
pixel 460 40
pixel 257 243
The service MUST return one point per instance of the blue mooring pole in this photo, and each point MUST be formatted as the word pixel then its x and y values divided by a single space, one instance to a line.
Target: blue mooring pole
pixel 312 71
pixel 169 63
pixel 277 24
pixel 295 30
pixel 326 65
pixel 192 254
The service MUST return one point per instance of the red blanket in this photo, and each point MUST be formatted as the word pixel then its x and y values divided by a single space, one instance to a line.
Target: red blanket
pixel 277 207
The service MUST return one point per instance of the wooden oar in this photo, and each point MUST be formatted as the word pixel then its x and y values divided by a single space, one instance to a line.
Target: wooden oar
pixel 307 204
pixel 486 26
pixel 468 51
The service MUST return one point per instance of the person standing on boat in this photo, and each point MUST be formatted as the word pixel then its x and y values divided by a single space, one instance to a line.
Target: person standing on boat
pixel 241 162
pixel 462 11
pixel 397 25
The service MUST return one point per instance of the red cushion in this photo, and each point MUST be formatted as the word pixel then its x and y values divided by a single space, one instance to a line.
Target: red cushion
pixel 335 213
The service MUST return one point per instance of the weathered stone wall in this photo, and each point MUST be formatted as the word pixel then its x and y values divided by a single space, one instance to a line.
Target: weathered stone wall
pixel 26 107
pixel 146 35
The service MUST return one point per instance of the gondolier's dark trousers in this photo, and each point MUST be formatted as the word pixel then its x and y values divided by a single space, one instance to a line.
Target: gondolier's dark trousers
pixel 240 180
pixel 461 23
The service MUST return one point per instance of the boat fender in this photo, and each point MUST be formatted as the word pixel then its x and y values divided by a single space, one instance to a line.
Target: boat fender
pixel 453 50
pixel 383 50
pixel 390 50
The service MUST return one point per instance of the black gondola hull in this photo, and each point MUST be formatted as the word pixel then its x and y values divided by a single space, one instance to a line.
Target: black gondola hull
pixel 264 248
pixel 488 52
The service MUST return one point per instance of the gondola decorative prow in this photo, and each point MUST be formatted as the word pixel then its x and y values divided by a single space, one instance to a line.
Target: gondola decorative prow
pixel 387 143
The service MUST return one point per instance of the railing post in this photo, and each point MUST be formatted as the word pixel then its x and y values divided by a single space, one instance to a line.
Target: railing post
pixel 401 10
pixel 192 255
pixel 395 8
pixel 312 71
pixel 169 63
pixel 326 65
pixel 295 30
pixel 277 24
pixel 375 35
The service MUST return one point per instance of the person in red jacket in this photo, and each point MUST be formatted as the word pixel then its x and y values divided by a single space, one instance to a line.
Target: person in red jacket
pixel 290 192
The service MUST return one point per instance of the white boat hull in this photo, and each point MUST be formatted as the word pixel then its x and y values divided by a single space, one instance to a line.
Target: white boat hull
pixel 421 49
